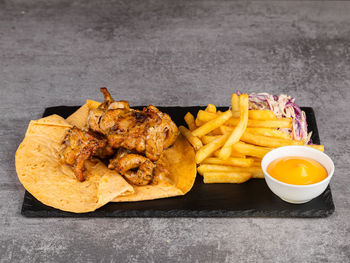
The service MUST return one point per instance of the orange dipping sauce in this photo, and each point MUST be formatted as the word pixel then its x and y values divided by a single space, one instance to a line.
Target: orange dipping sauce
pixel 297 170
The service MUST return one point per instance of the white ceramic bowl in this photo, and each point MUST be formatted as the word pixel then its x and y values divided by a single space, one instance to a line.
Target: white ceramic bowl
pixel 297 194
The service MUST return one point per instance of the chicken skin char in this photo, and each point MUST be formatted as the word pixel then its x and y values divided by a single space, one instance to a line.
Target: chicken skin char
pixel 136 168
pixel 132 140
pixel 79 146
pixel 148 131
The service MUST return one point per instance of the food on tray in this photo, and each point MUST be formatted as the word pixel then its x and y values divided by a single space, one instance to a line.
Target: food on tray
pixel 195 141
pixel 283 106
pixel 254 171
pixel 266 141
pixel 237 131
pixel 235 141
pixel 251 150
pixel 229 177
pixel 79 146
pixel 210 108
pixel 241 162
pixel 269 132
pixel 130 139
pixel 212 124
pixel 235 106
pixel 208 149
pixel 297 170
pixel 104 152
pixel 41 173
pixel 261 115
pixel 189 119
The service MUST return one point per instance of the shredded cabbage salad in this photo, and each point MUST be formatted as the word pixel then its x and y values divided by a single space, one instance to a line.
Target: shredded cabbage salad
pixel 283 106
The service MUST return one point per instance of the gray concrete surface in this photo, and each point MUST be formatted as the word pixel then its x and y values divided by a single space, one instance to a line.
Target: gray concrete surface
pixel 173 53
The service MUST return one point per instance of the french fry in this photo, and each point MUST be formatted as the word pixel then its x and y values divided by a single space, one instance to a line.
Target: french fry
pixel 251 150
pixel 209 138
pixel 256 162
pixel 210 108
pixel 255 159
pixel 235 105
pixel 226 129
pixel 234 154
pixel 317 147
pixel 255 171
pixel 212 125
pixel 205 116
pixel 232 122
pixel 259 131
pixel 220 168
pixel 261 115
pixel 232 177
pixel 241 162
pixel 269 132
pixel 237 132
pixel 278 123
pixel 199 123
pixel 265 141
pixel 211 147
pixel 189 119
pixel 195 141
pixel 217 168
pixel 217 131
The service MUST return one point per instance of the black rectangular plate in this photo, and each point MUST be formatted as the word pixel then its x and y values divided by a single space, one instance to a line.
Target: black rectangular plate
pixel 250 199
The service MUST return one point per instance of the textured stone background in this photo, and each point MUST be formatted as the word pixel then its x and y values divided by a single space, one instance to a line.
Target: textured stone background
pixel 173 53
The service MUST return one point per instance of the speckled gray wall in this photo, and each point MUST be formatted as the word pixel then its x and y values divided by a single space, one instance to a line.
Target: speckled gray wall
pixel 173 53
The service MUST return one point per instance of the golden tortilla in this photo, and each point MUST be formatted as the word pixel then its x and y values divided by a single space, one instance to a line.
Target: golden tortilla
pixel 41 173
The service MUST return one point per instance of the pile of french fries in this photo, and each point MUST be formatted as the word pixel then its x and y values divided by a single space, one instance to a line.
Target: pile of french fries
pixel 230 145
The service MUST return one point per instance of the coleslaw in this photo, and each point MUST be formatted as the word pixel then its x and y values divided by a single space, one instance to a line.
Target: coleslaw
pixel 283 106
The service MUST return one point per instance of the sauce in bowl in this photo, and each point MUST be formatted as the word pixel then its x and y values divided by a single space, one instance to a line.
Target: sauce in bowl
pixel 297 170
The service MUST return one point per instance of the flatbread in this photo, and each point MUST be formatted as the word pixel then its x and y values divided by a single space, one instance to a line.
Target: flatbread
pixel 79 117
pixel 54 184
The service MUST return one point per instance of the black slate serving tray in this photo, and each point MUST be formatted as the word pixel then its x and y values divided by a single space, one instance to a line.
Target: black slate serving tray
pixel 250 199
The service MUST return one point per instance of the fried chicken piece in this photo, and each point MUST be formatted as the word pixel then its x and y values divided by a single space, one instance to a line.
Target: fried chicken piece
pixel 95 115
pixel 133 130
pixel 136 168
pixel 148 131
pixel 78 146
pixel 113 125
pixel 105 152
pixel 113 163
pixel 168 127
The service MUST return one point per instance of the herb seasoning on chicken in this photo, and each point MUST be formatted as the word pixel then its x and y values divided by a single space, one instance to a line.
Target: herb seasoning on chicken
pixel 133 138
